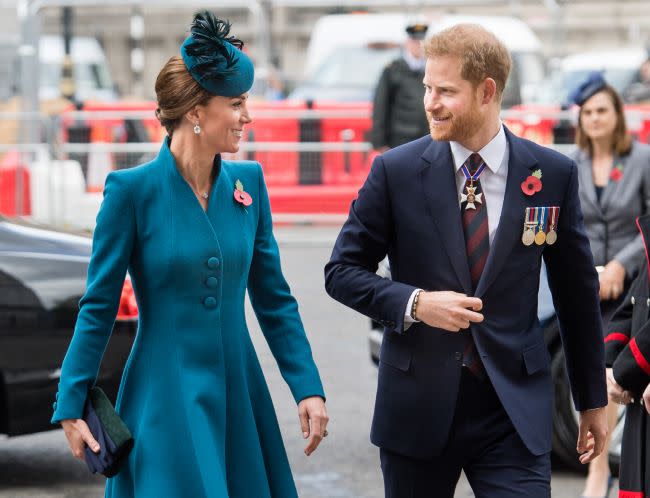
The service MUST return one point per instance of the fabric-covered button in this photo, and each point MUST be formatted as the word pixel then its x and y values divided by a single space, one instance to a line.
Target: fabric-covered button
pixel 210 302
pixel 213 262
pixel 211 282
pixel 54 406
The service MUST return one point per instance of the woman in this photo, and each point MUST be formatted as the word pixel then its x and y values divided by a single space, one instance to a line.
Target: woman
pixel 195 233
pixel 614 190
pixel 627 352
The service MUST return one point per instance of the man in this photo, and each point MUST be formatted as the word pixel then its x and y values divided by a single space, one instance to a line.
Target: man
pixel 639 92
pixel 397 115
pixel 464 379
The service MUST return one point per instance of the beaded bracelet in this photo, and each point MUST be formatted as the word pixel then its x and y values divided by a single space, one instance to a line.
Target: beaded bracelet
pixel 414 306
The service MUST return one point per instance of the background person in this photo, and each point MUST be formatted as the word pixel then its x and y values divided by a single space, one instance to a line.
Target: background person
pixel 195 233
pixel 397 114
pixel 627 353
pixel 614 174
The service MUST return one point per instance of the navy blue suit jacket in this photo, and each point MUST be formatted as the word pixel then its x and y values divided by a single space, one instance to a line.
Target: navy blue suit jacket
pixel 408 209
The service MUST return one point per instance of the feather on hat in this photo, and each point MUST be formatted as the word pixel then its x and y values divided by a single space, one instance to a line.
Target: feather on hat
pixel 215 59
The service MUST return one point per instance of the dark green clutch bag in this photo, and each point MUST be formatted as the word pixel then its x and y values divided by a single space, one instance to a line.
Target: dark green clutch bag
pixel 110 431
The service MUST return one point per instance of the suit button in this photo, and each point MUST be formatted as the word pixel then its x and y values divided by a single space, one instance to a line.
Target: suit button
pixel 633 301
pixel 213 262
pixel 647 303
pixel 458 355
pixel 211 282
pixel 209 302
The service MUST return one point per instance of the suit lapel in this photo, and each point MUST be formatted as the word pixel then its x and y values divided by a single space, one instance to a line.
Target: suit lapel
pixel 520 165
pixel 438 181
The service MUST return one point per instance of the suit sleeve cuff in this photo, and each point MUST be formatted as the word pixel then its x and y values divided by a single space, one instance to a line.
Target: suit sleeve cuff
pixel 408 319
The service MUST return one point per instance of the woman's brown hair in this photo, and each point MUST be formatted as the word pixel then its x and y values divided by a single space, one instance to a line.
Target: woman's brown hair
pixel 622 141
pixel 177 93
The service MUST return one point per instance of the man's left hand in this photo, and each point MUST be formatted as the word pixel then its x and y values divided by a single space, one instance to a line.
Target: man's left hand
pixel 592 434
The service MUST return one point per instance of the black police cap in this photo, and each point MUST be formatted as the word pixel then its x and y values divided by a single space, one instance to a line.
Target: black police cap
pixel 417 31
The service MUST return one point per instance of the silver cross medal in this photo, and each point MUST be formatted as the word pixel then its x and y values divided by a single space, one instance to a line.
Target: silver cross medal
pixel 471 197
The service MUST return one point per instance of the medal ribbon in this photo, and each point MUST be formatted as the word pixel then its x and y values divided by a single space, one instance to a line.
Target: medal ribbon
pixel 472 178
pixel 554 211
pixel 543 219
pixel 529 216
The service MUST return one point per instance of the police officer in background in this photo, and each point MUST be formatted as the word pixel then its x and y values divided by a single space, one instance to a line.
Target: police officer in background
pixel 398 115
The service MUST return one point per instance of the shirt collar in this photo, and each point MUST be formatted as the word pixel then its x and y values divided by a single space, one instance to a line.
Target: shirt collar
pixel 492 153
pixel 414 63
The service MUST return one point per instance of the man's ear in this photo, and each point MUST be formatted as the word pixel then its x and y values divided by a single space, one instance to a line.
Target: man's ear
pixel 489 90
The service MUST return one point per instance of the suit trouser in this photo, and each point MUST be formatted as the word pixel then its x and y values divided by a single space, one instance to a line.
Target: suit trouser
pixel 482 442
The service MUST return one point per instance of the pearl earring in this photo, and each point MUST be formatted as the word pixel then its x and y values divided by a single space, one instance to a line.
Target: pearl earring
pixel 197 128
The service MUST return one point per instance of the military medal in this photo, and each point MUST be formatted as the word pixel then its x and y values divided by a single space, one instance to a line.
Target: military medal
pixel 540 237
pixel 470 196
pixel 551 236
pixel 528 237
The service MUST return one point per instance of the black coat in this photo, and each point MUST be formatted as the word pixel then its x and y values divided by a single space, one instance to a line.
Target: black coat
pixel 627 351
pixel 627 343
pixel 398 110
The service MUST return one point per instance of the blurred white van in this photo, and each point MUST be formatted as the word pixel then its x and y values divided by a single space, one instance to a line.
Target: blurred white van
pixel 347 53
pixel 91 73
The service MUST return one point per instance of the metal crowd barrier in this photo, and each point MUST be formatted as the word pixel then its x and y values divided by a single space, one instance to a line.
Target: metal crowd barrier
pixel 314 159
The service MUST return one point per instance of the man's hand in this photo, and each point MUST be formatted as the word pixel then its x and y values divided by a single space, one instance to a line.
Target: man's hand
pixel 448 310
pixel 615 392
pixel 592 434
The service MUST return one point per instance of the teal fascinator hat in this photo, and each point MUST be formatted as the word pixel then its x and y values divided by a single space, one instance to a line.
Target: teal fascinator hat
pixel 214 59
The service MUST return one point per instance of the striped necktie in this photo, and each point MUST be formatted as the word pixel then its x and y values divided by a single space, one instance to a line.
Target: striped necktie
pixel 477 244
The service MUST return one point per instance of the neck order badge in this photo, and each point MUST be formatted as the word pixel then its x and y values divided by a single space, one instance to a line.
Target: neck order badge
pixel 470 196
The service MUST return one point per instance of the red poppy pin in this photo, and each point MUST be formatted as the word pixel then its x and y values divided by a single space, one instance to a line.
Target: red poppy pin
pixel 242 196
pixel 616 173
pixel 533 183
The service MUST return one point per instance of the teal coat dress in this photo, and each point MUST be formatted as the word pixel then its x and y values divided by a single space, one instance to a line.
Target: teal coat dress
pixel 192 393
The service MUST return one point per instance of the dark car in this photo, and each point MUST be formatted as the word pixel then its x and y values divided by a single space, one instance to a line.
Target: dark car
pixel 42 278
pixel 565 418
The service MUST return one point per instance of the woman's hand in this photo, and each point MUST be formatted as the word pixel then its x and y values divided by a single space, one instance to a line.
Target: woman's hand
pixel 615 392
pixel 612 279
pixel 79 436
pixel 313 421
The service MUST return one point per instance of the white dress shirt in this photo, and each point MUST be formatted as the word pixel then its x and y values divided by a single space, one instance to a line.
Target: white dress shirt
pixel 493 183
